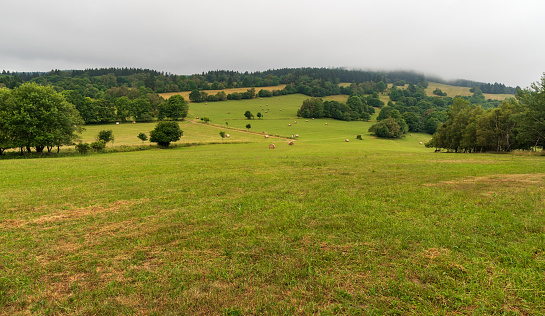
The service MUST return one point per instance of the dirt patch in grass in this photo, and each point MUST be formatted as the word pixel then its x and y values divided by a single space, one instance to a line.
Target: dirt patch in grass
pixel 467 161
pixel 73 213
pixel 511 180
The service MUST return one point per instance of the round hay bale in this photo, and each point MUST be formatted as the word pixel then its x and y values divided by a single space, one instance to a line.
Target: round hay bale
pixel 289 124
pixel 325 123
pixel 266 136
pixel 227 135
pixel 290 143
pixel 296 135
pixel 420 143
pixel 347 140
pixel 306 121
pixel 271 146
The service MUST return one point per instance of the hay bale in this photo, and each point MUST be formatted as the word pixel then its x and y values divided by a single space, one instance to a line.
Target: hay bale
pixel 271 146
pixel 296 135
pixel 420 143
pixel 347 140
pixel 266 136
pixel 227 135
pixel 290 143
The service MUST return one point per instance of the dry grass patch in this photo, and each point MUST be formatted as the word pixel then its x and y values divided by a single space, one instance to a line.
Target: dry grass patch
pixel 492 184
pixel 73 213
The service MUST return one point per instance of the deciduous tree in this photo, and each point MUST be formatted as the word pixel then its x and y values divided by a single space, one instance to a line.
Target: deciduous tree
pixel 165 133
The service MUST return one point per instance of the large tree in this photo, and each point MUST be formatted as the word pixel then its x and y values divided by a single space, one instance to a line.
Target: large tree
pixel 6 132
pixel 533 119
pixel 40 117
pixel 165 133
pixel 176 107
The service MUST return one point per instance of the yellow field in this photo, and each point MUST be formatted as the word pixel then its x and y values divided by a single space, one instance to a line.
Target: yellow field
pixel 185 94
pixel 340 98
pixel 453 91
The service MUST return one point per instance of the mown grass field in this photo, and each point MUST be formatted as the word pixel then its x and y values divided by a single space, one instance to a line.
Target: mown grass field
pixel 326 227
pixel 453 91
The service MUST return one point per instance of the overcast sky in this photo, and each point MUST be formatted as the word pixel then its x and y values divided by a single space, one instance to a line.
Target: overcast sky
pixel 481 40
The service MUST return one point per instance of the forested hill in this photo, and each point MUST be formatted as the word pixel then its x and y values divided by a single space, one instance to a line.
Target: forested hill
pixel 159 82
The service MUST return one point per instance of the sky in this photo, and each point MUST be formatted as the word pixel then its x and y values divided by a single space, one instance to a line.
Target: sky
pixel 481 40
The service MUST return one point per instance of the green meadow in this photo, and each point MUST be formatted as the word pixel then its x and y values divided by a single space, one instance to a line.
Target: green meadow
pixel 230 227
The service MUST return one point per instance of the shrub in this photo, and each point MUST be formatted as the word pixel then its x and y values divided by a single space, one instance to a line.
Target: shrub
pixel 106 136
pixel 82 148
pixel 98 145
pixel 143 137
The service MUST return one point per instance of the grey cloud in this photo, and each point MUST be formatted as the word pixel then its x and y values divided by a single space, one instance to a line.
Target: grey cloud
pixel 478 40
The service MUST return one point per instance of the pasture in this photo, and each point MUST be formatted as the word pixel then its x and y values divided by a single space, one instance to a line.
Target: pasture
pixel 323 227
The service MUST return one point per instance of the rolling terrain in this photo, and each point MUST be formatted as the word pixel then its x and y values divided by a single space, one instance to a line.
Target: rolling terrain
pixel 230 227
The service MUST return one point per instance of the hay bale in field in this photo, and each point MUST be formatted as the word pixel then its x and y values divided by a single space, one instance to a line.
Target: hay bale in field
pixel 266 136
pixel 325 123
pixel 271 146
pixel 227 135
pixel 296 135
pixel 289 124
pixel 347 140
pixel 420 143
pixel 290 143
pixel 295 122
pixel 306 121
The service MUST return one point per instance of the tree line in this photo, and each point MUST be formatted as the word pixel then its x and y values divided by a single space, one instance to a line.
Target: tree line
pixel 516 124
pixel 159 82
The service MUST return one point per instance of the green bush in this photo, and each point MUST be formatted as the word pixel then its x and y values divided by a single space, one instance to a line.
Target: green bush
pixel 106 136
pixel 82 148
pixel 98 145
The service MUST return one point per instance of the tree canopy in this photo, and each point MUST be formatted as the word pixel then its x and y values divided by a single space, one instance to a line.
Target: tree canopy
pixel 165 133
pixel 34 116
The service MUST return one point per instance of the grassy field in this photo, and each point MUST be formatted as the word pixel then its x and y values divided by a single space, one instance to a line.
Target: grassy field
pixel 327 227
